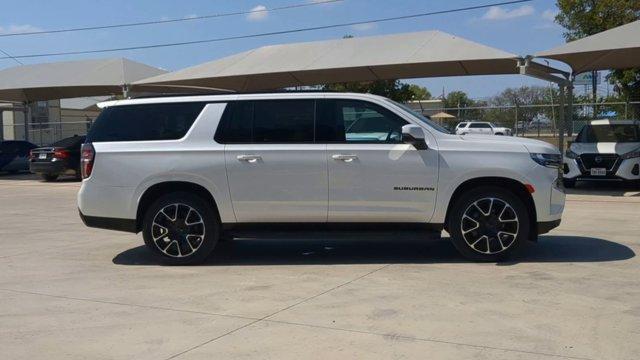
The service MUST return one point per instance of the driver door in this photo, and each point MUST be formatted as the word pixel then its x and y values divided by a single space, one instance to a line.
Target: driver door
pixel 373 176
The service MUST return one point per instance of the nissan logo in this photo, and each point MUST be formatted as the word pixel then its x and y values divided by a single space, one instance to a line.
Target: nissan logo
pixel 598 159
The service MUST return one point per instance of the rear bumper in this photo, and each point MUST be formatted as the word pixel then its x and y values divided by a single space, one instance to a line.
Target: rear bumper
pixel 127 225
pixel 546 226
pixel 48 167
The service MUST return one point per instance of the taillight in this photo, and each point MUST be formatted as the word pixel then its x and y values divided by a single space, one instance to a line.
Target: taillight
pixel 87 155
pixel 60 154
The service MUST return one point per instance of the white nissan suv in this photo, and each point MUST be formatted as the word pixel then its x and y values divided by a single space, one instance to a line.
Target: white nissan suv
pixel 604 150
pixel 187 170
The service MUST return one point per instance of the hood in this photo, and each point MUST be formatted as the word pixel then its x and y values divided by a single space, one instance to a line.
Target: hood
pixel 604 148
pixel 533 146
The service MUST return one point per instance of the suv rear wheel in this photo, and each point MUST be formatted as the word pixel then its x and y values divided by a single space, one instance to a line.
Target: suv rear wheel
pixel 181 227
pixel 489 224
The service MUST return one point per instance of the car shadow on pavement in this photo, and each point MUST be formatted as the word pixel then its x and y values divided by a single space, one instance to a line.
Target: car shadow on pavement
pixel 18 176
pixel 238 252
pixel 605 188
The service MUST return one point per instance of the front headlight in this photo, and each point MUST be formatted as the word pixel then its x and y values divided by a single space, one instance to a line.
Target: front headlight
pixel 631 154
pixel 548 160
pixel 570 154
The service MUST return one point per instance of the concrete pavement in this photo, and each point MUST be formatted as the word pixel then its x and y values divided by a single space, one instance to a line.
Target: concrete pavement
pixel 70 292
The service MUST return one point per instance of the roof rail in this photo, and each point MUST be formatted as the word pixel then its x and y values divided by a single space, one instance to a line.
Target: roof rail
pixel 230 92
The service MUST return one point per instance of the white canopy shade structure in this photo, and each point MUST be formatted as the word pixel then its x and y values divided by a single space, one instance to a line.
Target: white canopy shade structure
pixel 617 48
pixel 70 79
pixel 398 56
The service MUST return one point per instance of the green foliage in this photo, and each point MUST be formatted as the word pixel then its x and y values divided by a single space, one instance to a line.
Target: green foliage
pixel 393 89
pixel 582 18
pixel 456 99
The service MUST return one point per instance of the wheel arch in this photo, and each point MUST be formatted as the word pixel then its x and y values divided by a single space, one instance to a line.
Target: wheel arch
pixel 515 186
pixel 167 187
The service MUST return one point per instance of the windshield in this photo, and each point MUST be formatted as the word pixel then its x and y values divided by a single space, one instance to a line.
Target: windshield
pixel 609 133
pixel 422 118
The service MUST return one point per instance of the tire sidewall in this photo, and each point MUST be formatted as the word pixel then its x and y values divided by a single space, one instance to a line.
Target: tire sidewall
pixel 209 217
pixel 466 200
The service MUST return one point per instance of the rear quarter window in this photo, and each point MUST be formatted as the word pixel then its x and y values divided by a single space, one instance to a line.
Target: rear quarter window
pixel 145 122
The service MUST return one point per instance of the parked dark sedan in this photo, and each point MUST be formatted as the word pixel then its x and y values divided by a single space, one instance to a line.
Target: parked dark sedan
pixel 14 155
pixel 60 158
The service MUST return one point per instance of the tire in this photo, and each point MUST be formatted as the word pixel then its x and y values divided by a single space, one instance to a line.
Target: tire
pixel 569 183
pixel 185 233
pixel 499 134
pixel 49 177
pixel 498 213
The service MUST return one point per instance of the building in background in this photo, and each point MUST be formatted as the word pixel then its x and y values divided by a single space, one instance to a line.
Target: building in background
pixel 50 120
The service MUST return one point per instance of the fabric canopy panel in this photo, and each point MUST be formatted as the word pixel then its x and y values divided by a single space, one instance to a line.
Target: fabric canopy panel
pixel 617 48
pixel 399 56
pixel 442 116
pixel 71 79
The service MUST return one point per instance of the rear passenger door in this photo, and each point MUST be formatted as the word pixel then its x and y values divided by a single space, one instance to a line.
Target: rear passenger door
pixel 480 128
pixel 275 170
pixel 373 175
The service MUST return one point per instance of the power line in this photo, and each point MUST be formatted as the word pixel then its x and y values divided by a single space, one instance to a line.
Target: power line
pixel 167 21
pixel 272 33
pixel 11 57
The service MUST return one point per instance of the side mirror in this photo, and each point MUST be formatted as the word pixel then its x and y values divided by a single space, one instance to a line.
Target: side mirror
pixel 414 135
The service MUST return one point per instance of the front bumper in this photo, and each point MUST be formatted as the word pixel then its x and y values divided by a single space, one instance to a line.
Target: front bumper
pixel 628 169
pixel 546 226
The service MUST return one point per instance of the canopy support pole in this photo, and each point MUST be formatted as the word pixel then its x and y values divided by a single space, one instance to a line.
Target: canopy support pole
pixel 562 117
pixel 563 83
pixel 570 108
pixel 27 119
pixel 125 91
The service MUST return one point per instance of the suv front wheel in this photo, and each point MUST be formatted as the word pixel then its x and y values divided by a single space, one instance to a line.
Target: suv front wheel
pixel 181 227
pixel 488 224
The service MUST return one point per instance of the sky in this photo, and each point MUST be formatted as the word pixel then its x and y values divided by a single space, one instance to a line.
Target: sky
pixel 520 29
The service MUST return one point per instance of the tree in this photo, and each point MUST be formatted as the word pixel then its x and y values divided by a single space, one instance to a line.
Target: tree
pixel 419 92
pixel 457 99
pixel 393 89
pixel 582 18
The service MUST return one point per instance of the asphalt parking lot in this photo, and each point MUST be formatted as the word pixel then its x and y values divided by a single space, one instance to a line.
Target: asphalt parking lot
pixel 67 291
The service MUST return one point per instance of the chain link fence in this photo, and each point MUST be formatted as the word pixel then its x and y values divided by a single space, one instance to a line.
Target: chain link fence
pixel 43 133
pixel 540 120
pixel 531 120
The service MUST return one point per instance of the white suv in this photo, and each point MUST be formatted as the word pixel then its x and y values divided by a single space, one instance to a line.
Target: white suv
pixel 604 150
pixel 186 170
pixel 481 128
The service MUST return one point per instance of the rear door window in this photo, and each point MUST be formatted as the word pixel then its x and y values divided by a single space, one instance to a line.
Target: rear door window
pixel 268 122
pixel 479 126
pixel 169 121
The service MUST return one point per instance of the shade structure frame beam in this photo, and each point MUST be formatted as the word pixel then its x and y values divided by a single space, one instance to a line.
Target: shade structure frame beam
pixel 565 84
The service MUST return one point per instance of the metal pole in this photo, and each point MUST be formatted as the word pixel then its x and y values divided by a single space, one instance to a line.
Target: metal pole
pixel 561 118
pixel 594 92
pixel 27 119
pixel 125 91
pixel 570 108
pixel 516 123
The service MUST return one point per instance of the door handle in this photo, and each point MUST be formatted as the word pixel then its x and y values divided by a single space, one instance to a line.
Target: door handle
pixel 344 157
pixel 249 158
